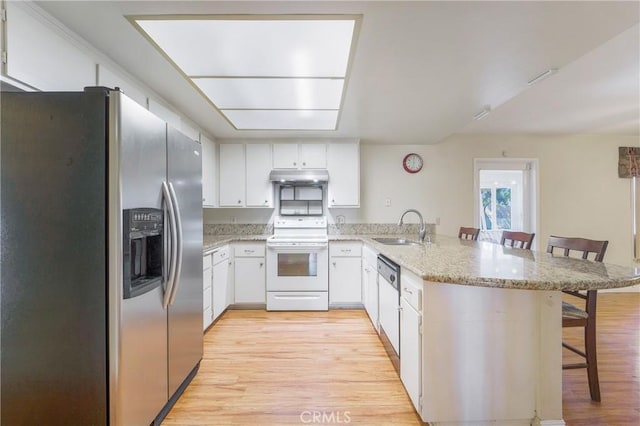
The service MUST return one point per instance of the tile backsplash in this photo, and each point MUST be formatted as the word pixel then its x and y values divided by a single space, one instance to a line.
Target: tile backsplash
pixel 378 228
pixel 238 229
pixel 334 229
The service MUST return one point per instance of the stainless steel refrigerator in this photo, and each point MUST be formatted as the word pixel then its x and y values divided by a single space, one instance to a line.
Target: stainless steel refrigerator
pixel 101 260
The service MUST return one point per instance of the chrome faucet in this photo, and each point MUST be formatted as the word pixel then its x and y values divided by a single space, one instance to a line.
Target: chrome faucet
pixel 423 230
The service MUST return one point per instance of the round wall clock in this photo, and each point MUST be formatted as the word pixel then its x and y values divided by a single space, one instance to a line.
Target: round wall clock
pixel 412 163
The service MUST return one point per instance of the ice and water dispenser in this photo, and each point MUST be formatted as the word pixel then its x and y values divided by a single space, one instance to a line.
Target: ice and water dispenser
pixel 143 250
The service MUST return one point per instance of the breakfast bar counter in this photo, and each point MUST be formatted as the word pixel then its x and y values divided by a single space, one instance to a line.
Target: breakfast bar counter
pixel 485 264
pixel 487 342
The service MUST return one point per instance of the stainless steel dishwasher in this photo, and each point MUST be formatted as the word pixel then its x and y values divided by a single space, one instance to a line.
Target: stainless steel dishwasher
pixel 389 303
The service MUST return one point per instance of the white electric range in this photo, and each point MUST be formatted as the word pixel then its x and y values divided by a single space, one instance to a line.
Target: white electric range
pixel 298 264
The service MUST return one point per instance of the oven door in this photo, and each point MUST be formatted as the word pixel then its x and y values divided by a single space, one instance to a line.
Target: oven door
pixel 297 267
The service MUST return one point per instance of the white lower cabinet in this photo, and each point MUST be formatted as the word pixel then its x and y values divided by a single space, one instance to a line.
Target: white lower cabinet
pixel 345 282
pixel 220 285
pixel 370 284
pixel 207 278
pixel 411 337
pixel 250 276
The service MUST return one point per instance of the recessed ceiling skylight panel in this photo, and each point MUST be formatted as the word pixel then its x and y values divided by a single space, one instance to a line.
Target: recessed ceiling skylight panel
pixel 261 63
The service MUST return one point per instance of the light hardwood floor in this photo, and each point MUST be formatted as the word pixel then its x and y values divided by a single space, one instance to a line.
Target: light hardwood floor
pixel 279 368
pixel 618 343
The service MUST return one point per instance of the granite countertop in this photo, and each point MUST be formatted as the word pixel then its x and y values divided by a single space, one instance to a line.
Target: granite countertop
pixel 212 242
pixel 485 264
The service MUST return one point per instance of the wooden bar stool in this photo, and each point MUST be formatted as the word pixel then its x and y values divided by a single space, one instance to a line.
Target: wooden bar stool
pixel 468 233
pixel 521 240
pixel 572 316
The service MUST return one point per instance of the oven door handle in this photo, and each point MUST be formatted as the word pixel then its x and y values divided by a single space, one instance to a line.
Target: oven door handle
pixel 286 297
pixel 173 259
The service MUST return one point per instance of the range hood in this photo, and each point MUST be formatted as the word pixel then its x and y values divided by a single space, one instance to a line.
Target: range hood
pixel 299 176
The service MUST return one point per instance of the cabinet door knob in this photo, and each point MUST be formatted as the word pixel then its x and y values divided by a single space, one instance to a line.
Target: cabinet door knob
pixel 261 264
pixel 334 263
pixel 266 201
pixel 304 164
pixel 294 163
pixel 239 201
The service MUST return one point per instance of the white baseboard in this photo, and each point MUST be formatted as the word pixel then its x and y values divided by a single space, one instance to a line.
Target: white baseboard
pixel 538 422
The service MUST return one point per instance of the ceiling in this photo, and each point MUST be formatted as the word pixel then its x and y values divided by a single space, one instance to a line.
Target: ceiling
pixel 423 69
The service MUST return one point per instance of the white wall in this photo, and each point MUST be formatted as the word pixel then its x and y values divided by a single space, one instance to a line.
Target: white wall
pixel 580 193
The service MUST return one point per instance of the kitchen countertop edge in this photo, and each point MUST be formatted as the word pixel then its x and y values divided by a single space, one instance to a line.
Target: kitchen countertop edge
pixel 407 258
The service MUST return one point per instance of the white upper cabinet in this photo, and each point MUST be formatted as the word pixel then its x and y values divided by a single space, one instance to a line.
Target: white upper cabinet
pixel 244 175
pixel 258 166
pixel 285 156
pixel 299 156
pixel 209 164
pixel 42 57
pixel 232 175
pixel 312 156
pixel 343 165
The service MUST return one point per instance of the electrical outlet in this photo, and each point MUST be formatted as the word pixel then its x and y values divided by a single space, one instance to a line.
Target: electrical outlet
pixel 387 202
pixel 340 219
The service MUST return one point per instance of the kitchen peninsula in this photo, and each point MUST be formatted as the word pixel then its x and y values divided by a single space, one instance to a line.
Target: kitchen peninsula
pixel 488 336
pixel 478 263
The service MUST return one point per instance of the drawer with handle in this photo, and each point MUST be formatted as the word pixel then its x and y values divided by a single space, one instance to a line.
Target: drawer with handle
pixel 411 289
pixel 249 250
pixel 221 254
pixel 345 248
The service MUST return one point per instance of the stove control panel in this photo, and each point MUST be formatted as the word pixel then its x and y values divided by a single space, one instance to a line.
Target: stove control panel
pixel 300 222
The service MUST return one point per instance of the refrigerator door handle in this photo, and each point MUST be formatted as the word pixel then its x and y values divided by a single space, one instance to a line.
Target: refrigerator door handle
pixel 173 258
pixel 179 244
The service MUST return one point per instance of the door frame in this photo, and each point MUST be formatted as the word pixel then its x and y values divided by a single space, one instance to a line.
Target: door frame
pixel 530 187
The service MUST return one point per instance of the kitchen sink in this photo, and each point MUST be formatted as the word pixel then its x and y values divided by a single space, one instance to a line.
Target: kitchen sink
pixel 396 241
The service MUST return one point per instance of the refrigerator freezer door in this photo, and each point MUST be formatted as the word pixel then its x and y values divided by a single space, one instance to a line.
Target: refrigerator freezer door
pixel 53 332
pixel 138 326
pixel 185 313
